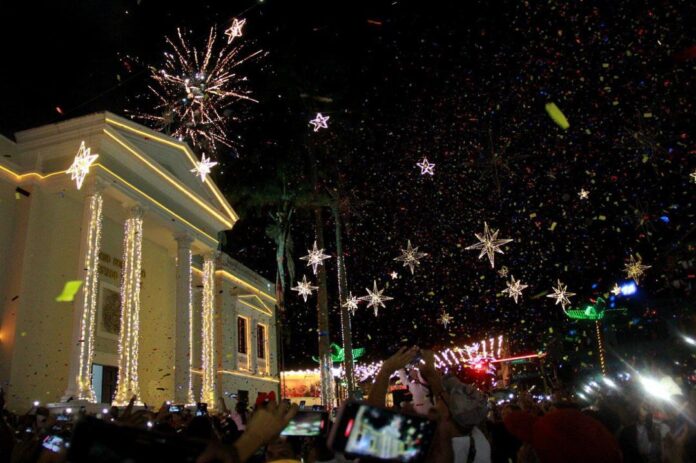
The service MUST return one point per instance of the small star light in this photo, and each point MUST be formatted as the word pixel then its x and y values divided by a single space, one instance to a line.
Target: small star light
pixel 584 194
pixel 426 167
pixel 394 275
pixel 351 303
pixel 503 272
pixel 561 294
pixel 319 122
pixel 374 298
pixel 635 269
pixel 81 164
pixel 235 30
pixel 693 176
pixel 489 244
pixel 315 257
pixel 514 288
pixel 410 256
pixel 304 288
pixel 445 319
pixel 616 290
pixel 203 167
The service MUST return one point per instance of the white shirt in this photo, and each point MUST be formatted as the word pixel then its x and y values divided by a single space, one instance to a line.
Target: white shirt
pixel 460 447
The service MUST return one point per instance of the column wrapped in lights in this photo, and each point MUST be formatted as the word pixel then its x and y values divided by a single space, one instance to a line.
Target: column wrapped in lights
pixel 85 391
pixel 208 332
pixel 127 384
pixel 183 380
pixel 189 393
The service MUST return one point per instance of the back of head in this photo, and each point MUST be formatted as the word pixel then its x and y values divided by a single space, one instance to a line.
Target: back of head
pixel 569 436
pixel 466 403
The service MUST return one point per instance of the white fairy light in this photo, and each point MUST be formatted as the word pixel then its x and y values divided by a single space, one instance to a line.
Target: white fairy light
pixel 375 298
pixel 489 244
pixel 81 164
pixel 410 256
pixel 426 167
pixel 320 122
pixel 208 333
pixel 315 257
pixel 85 390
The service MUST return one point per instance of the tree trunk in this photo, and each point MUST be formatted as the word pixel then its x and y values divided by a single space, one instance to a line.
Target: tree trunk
pixel 325 363
pixel 343 296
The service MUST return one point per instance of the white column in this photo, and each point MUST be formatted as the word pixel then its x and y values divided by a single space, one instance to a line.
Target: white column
pixel 208 362
pixel 254 351
pixel 85 304
pixel 183 383
pixel 127 384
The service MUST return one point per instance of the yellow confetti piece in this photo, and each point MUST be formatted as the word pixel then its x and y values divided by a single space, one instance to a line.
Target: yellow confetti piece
pixel 557 116
pixel 553 226
pixel 647 115
pixel 532 215
pixel 602 217
pixel 17 195
pixel 69 291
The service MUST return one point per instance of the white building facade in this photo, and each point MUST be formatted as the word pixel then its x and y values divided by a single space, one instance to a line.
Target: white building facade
pixel 158 313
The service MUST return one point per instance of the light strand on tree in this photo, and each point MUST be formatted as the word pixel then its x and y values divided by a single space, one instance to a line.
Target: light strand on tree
pixel 85 391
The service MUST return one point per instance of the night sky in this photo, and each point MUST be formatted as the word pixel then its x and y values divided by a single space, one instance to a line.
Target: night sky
pixel 461 83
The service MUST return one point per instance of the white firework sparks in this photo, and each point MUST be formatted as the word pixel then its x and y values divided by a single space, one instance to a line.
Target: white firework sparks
pixel 195 88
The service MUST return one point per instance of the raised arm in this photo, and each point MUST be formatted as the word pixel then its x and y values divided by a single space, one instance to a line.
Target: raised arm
pixel 378 393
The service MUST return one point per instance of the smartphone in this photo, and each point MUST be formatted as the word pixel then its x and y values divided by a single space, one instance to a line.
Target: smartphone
pixel 175 408
pixel 100 441
pixel 53 442
pixel 362 430
pixel 307 424
pixel 201 409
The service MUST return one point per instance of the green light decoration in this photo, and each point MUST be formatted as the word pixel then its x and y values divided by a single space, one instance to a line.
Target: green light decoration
pixel 592 312
pixel 338 355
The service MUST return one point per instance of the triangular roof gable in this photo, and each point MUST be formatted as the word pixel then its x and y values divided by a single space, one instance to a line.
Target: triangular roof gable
pixel 257 303
pixel 173 156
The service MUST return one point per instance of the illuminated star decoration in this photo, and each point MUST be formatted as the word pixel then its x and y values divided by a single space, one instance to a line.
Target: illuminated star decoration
pixel 635 269
pixel 203 167
pixel 489 244
pixel 394 275
pixel 561 294
pixel 583 194
pixel 315 257
pixel 514 288
pixel 503 272
pixel 693 176
pixel 426 167
pixel 319 122
pixel 445 319
pixel 616 290
pixel 235 30
pixel 195 89
pixel 410 256
pixel 374 298
pixel 80 166
pixel 351 303
pixel 304 288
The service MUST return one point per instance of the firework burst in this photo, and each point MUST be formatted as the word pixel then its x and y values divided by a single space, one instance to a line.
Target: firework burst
pixel 194 90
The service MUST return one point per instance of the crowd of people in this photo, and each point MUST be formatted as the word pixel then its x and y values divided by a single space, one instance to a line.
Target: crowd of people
pixel 619 423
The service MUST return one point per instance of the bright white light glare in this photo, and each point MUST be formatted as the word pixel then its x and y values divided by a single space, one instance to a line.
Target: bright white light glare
pixel 690 340
pixel 594 384
pixel 654 388
pixel 68 410
pixel 512 396
pixel 582 396
pixel 628 288
pixel 609 382
pixel 36 403
pixel 587 389
pixel 149 424
pixel 105 410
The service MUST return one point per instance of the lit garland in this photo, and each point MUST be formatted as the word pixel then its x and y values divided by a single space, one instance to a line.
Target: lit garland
pixel 602 361
pixel 208 334
pixel 189 392
pixel 85 391
pixel 127 384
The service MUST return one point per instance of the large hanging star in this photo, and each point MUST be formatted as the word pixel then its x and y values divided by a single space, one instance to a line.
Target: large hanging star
pixel 410 256
pixel 235 30
pixel 203 167
pixel 489 244
pixel 81 164
pixel 319 122
pixel 635 269
pixel 445 319
pixel 374 298
pixel 304 288
pixel 426 167
pixel 561 294
pixel 514 288
pixel 351 303
pixel 315 257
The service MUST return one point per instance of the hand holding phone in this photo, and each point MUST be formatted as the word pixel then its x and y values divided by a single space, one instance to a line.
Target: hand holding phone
pixel 363 430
